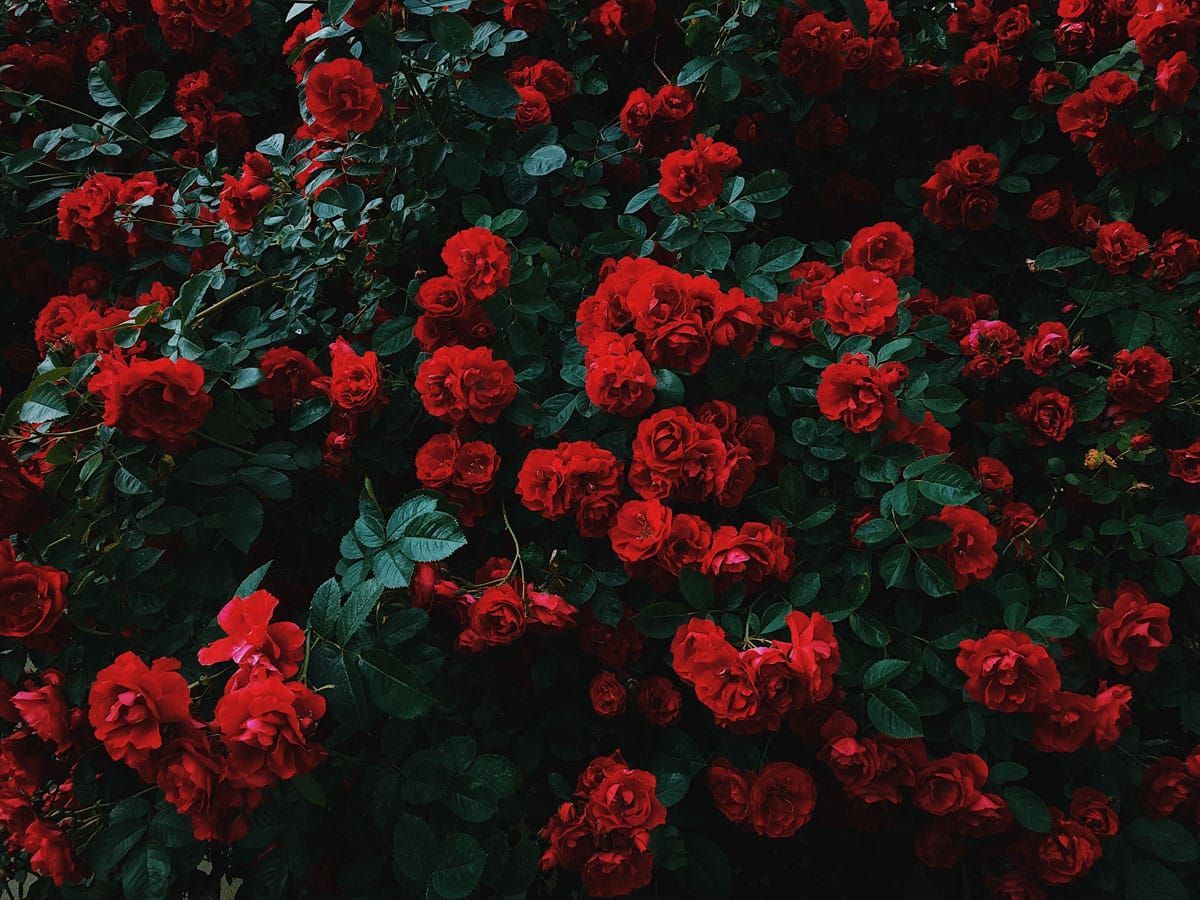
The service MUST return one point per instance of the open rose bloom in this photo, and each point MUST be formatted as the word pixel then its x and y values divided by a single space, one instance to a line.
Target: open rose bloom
pixel 600 448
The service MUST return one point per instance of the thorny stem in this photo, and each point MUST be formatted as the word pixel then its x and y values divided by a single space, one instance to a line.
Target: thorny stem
pixel 234 297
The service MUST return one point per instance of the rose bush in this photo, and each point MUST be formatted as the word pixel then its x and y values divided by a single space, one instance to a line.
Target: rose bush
pixel 526 448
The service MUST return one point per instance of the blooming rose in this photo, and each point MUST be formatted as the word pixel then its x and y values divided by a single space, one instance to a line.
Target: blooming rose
pixel 1046 348
pixel 1140 380
pixel 1047 416
pixel 639 530
pixel 692 179
pixel 22 508
pixel 32 597
pixel 856 394
pixel 253 642
pixel 625 799
pixel 267 727
pixel 860 301
pixel 457 383
pixel 619 379
pixel 993 475
pixel 1064 723
pixel 659 701
pixel 130 704
pixel 884 247
pixel 1118 245
pixel 951 784
pixel 1185 463
pixel 782 799
pixel 495 618
pixel 478 261
pixel 532 108
pixel 730 789
pixel 970 552
pixel 1067 853
pixel 1093 809
pixel 1133 631
pixel 342 96
pixel 288 377
pixel 160 401
pixel 1008 672
pixel 608 695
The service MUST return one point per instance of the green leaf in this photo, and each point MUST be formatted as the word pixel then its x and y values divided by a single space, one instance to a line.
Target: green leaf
pixel 490 95
pixel 1053 626
pixel 113 842
pixel 893 713
pixel 1148 880
pixel 251 582
pixel 326 604
pixel 44 404
pixel 168 127
pixel 697 590
pixel 147 874
pixel 707 875
pixel 856 12
pixel 948 485
pixel 394 687
pixel 357 608
pixel 545 160
pixel 451 32
pixel 1060 258
pixel 102 87
pixel 933 576
pixel 1028 808
pixel 415 850
pixel 711 252
pixel 694 69
pixel 804 589
pixel 661 619
pixel 881 672
pixel 431 537
pixel 145 93
pixel 1164 838
pixel 894 565
pixel 459 865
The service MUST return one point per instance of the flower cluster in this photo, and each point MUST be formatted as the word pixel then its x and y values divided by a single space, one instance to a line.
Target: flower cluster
pixel 754 689
pixel 260 733
pixel 604 832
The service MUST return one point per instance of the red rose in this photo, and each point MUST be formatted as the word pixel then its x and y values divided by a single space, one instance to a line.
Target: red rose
pixel 434 461
pixel 813 656
pixel 475 467
pixel 736 321
pixel 782 799
pixel 161 401
pixel 1047 348
pixel 884 247
pixel 930 435
pixel 32 597
pixel 478 260
pixel 970 551
pixel 495 618
pixel 730 789
pixel 50 852
pixel 1064 723
pixel 267 726
pixel 253 642
pixel 1014 886
pixel 625 799
pixel 639 530
pixel 619 871
pixel 532 108
pixel 1185 463
pixel 994 476
pixel 856 394
pixel 675 455
pixel 1167 785
pixel 457 383
pixel 1140 380
pixel 129 704
pixel 751 554
pixel 85 215
pixel 1174 80
pixel 619 379
pixel 1110 713
pixel 1067 853
pixel 1093 810
pixel 692 179
pixel 608 695
pixel 950 785
pixel 659 701
pixel 1008 672
pixel 355 382
pixel 1192 523
pixel 243 198
pixel 342 96
pixel 22 508
pixel 288 377
pixel 860 301
pixel 1118 245
pixel 528 15
pixel 1133 631
pixel 443 296
pixel 43 707
pixel 226 16
pixel 1047 416
pixel 191 777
